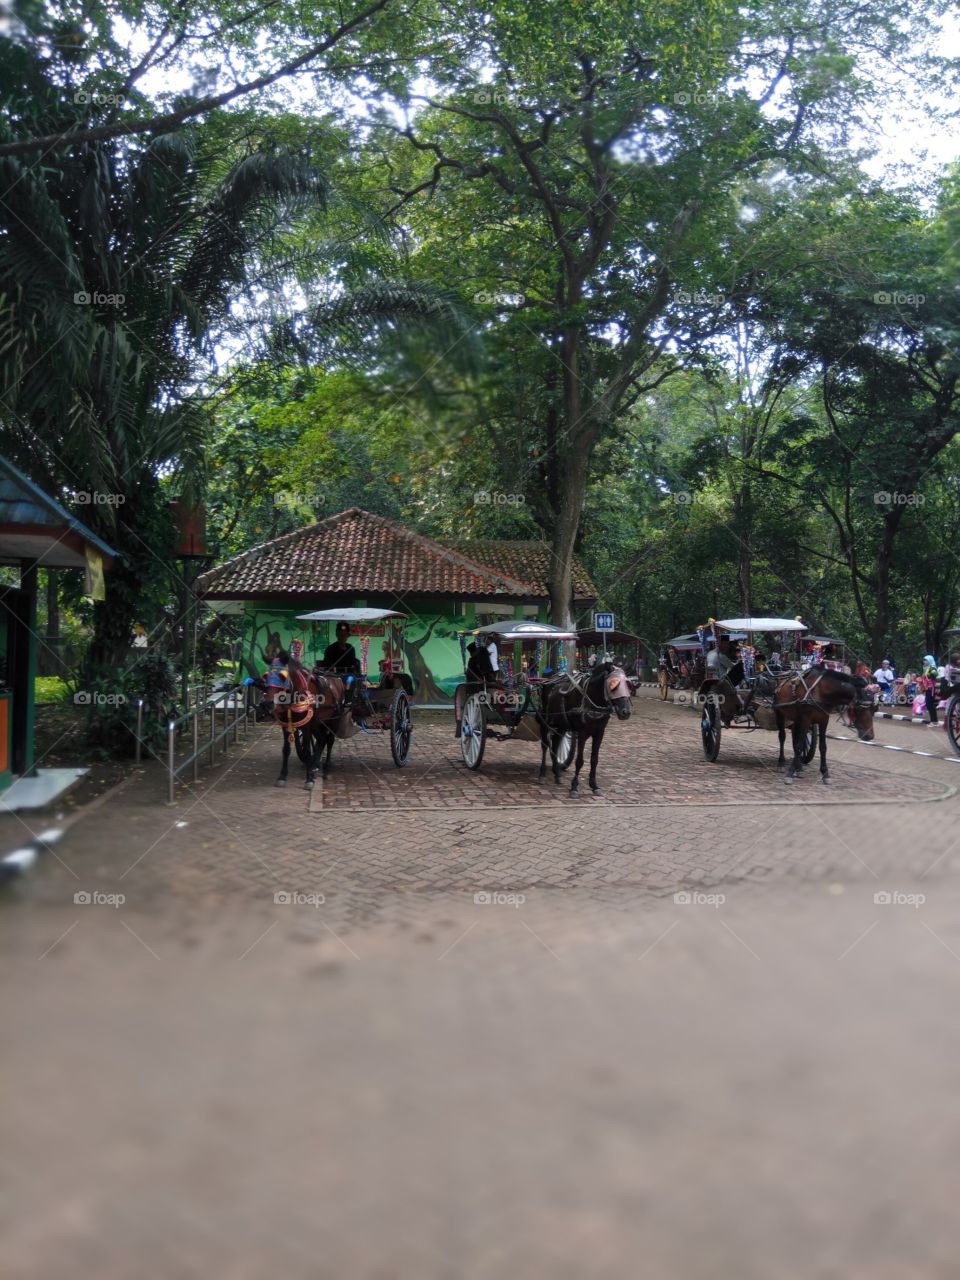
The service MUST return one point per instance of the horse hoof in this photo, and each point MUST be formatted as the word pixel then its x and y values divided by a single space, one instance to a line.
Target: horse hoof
pixel 308 786
pixel 788 781
pixel 825 781
pixel 280 782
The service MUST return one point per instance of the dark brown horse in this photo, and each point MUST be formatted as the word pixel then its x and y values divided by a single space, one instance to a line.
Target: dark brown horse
pixel 581 703
pixel 306 707
pixel 808 698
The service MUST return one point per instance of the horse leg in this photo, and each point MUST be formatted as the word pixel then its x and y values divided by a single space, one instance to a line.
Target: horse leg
pixel 794 767
pixel 575 784
pixel 331 738
pixel 310 765
pixel 824 772
pixel 544 739
pixel 782 735
pixel 282 780
pixel 595 756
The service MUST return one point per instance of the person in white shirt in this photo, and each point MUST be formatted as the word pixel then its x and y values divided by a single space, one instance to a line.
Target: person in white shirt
pixel 884 677
pixel 493 655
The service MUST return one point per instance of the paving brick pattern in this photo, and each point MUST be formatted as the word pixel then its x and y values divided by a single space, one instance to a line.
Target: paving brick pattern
pixel 573 1075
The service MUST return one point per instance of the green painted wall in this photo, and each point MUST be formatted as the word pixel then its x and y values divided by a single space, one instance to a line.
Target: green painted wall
pixel 433 655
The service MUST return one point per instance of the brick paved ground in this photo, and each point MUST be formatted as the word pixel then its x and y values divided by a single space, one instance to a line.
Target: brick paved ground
pixel 581 1077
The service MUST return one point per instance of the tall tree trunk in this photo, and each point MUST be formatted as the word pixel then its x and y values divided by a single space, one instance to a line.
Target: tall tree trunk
pixel 743 523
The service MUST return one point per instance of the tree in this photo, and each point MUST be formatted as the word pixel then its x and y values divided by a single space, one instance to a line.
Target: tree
pixel 583 160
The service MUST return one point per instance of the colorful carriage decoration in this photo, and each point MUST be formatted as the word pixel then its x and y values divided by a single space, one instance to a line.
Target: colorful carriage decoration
pixel 504 707
pixel 385 707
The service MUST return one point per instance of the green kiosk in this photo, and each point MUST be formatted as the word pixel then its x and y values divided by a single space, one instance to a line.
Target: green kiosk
pixel 36 532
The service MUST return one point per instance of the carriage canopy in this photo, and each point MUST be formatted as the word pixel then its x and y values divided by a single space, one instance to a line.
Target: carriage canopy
pixel 349 615
pixel 511 630
pixel 761 624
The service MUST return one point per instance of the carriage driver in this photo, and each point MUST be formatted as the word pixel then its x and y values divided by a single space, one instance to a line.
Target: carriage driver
pixel 341 655
pixel 724 666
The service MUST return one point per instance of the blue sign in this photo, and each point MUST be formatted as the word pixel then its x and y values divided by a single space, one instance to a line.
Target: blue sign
pixel 603 622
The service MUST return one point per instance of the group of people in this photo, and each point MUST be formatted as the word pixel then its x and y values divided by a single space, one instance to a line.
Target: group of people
pixel 925 689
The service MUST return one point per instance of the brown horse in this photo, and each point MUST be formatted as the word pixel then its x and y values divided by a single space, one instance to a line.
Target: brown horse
pixel 584 704
pixel 306 707
pixel 807 698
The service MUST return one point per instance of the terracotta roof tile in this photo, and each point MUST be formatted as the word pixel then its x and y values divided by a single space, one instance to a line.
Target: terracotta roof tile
pixel 364 554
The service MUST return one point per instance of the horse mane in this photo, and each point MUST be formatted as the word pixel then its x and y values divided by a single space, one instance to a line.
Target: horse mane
pixel 857 682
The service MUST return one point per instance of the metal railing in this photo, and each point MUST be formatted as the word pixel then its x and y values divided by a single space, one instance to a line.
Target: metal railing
pixel 231 721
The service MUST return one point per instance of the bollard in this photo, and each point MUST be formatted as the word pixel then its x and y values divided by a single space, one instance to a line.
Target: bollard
pixel 171 746
pixel 236 716
pixel 196 739
pixel 213 730
pixel 136 757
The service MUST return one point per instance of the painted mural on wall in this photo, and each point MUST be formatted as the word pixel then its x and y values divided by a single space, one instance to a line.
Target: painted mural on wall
pixel 432 652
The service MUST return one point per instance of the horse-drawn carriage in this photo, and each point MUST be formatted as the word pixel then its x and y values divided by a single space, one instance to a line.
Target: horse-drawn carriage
pixel 559 709
pixel 745 688
pixel 316 707
pixel 500 706
pixel 677 663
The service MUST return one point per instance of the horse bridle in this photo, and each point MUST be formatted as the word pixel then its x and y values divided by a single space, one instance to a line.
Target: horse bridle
pixel 601 709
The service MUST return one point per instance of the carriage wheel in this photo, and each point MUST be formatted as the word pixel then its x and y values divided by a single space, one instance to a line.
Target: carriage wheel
pixel 953 722
pixel 809 745
pixel 566 749
pixel 710 730
pixel 664 681
pixel 473 732
pixel 401 728
pixel 302 744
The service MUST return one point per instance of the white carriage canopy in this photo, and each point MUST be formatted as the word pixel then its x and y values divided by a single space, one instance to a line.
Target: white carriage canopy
pixel 349 615
pixel 761 624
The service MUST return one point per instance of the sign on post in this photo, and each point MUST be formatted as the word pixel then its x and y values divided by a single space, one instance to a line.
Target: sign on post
pixel 603 622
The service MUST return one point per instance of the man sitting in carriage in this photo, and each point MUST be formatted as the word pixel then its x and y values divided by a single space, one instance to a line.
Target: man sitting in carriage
pixel 341 656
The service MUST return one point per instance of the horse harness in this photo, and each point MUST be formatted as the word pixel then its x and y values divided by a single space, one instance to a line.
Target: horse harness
pixel 800 682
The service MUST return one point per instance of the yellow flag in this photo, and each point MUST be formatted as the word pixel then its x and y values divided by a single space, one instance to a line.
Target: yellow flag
pixel 94 587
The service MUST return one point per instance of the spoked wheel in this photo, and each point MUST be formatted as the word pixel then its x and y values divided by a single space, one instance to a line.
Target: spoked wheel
pixel 401 728
pixel 809 745
pixel 953 722
pixel 710 730
pixel 566 750
pixel 301 742
pixel 664 682
pixel 473 731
